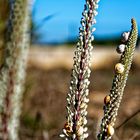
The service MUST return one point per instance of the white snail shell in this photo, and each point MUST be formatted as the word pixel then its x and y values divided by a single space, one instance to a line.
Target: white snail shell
pixel 125 36
pixel 120 49
pixel 119 68
pixel 110 130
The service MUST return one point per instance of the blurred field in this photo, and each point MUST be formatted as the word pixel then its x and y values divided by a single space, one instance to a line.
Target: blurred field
pixel 52 57
pixel 48 78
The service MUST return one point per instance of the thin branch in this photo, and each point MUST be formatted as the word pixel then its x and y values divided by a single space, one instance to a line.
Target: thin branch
pixel 129 118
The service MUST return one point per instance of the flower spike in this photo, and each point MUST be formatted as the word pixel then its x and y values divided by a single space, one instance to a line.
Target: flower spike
pixel 77 97
pixel 119 82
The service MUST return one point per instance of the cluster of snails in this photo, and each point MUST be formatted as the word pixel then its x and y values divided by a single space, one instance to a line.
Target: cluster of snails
pixel 120 49
pixel 110 129
pixel 119 69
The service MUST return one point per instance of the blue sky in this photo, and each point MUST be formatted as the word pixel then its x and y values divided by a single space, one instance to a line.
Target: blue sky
pixel 113 18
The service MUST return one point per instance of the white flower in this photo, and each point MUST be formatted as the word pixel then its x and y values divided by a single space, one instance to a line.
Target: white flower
pixel 80 131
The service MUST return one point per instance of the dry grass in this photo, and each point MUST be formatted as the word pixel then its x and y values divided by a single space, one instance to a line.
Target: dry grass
pixel 45 96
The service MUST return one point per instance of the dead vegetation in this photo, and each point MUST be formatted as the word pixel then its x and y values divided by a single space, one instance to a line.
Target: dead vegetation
pixel 47 86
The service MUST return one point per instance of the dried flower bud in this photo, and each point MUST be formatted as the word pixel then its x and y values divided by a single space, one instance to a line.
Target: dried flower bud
pixel 83 105
pixel 86 135
pixel 68 128
pixel 85 121
pixel 80 131
pixel 93 29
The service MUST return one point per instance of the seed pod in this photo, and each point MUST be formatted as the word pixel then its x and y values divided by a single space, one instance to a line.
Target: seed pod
pixel 120 49
pixel 85 121
pixel 110 130
pixel 86 135
pixel 125 36
pixel 107 99
pixel 119 68
pixel 83 105
pixel 80 121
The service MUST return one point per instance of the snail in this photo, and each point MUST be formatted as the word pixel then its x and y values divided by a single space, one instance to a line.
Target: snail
pixel 110 130
pixel 120 49
pixel 119 68
pixel 125 36
pixel 107 99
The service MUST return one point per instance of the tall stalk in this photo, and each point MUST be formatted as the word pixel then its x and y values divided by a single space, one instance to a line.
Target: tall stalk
pixel 77 99
pixel 12 73
pixel 113 100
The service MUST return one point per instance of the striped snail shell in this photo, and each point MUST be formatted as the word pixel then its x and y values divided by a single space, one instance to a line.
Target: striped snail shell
pixel 119 68
pixel 120 49
pixel 125 36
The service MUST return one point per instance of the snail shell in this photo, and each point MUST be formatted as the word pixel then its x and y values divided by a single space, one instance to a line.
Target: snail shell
pixel 120 49
pixel 107 99
pixel 119 68
pixel 125 36
pixel 110 130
